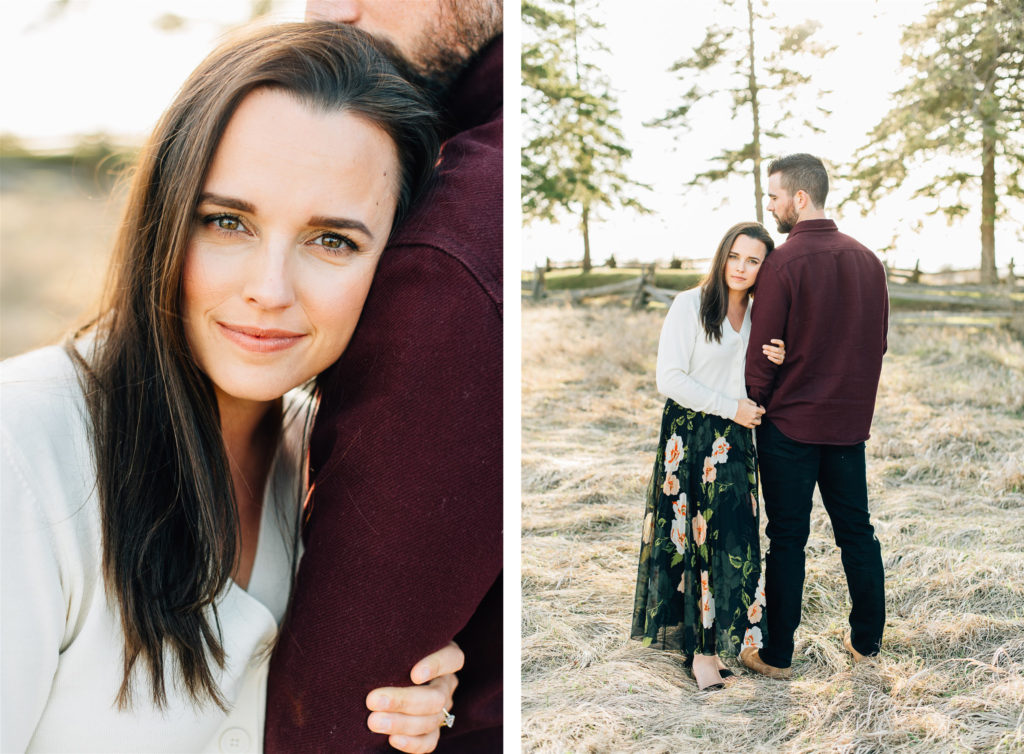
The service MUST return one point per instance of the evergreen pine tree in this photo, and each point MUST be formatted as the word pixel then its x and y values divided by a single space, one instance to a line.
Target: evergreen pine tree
pixel 964 104
pixel 758 59
pixel 574 153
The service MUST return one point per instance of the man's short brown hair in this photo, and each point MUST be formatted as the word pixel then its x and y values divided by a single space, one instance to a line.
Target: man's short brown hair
pixel 802 172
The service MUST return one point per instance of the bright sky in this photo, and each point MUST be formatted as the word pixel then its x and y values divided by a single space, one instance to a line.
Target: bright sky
pixel 103 65
pixel 646 36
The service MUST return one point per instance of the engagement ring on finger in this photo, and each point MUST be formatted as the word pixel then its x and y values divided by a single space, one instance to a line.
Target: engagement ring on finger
pixel 449 718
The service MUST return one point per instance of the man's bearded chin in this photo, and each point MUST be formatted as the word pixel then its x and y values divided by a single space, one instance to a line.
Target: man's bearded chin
pixel 786 222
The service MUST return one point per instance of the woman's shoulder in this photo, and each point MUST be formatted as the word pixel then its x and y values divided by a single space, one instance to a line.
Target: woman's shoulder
pixel 689 299
pixel 44 421
pixel 685 305
pixel 38 386
pixel 42 363
pixel 48 478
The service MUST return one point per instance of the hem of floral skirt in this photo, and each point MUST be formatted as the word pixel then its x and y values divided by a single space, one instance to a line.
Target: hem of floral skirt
pixel 688 654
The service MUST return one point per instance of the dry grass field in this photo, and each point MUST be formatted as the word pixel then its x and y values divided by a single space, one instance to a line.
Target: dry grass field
pixel 56 231
pixel 946 479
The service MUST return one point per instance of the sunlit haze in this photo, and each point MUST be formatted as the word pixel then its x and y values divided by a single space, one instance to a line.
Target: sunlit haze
pixel 104 65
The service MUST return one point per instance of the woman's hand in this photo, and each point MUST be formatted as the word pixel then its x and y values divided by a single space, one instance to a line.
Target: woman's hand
pixel 776 354
pixel 411 716
pixel 749 413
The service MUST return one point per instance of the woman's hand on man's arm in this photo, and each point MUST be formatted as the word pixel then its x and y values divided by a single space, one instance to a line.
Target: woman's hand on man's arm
pixel 411 716
pixel 777 353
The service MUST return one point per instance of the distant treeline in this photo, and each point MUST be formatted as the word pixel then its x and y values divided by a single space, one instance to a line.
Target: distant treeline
pixel 95 160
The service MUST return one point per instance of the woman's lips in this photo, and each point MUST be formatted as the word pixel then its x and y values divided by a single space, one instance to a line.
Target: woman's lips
pixel 258 339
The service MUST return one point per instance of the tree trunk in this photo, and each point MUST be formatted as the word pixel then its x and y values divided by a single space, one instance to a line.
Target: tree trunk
pixel 756 142
pixel 987 69
pixel 585 214
pixel 585 227
pixel 988 208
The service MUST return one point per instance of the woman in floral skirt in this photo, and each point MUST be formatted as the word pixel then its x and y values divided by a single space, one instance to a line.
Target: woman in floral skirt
pixel 699 588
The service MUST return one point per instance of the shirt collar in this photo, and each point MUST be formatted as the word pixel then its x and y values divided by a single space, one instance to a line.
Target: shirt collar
pixel 808 225
pixel 476 95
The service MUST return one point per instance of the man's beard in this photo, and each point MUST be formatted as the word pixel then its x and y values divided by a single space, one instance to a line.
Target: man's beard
pixel 444 50
pixel 787 221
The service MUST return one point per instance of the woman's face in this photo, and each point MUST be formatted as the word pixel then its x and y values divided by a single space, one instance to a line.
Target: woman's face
pixel 291 222
pixel 744 262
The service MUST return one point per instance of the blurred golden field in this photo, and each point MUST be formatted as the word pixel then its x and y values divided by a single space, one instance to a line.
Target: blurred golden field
pixel 57 223
pixel 946 479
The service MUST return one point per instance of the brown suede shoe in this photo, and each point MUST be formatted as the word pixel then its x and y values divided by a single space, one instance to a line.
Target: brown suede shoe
pixel 857 656
pixel 753 661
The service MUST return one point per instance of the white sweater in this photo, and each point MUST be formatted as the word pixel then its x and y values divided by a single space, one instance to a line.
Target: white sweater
pixel 61 643
pixel 698 374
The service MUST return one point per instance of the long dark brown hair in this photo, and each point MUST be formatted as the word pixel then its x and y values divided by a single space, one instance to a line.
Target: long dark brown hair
pixel 714 293
pixel 169 520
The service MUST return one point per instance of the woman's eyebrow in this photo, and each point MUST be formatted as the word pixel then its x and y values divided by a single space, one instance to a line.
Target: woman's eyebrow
pixel 341 223
pixel 227 201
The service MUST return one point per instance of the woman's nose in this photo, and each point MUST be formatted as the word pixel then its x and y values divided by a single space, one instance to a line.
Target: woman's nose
pixel 268 281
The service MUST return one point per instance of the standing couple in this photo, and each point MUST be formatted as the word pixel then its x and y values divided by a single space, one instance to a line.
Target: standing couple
pixel 261 490
pixel 798 361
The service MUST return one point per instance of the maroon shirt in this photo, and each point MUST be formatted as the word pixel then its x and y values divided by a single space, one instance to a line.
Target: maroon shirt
pixel 824 294
pixel 403 538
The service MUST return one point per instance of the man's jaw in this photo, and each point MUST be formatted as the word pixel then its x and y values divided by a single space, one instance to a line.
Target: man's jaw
pixel 434 76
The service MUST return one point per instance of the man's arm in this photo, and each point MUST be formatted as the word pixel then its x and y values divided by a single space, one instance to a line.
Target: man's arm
pixel 403 539
pixel 885 319
pixel 768 320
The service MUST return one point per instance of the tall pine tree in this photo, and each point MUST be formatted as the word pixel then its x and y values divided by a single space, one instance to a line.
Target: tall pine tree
pixel 574 153
pixel 960 118
pixel 732 51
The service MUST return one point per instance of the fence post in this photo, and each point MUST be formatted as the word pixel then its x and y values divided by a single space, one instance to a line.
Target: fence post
pixel 538 282
pixel 646 278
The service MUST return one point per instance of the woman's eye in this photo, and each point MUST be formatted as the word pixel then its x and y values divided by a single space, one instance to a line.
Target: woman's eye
pixel 224 222
pixel 334 242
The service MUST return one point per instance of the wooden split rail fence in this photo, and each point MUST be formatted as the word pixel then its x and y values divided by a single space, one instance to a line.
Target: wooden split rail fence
pixel 998 302
pixel 641 289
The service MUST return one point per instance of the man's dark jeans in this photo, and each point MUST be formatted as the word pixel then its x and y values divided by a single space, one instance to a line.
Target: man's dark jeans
pixel 789 471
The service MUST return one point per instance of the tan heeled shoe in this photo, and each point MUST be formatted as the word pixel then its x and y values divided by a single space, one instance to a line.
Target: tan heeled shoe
pixel 750 657
pixel 707 679
pixel 848 643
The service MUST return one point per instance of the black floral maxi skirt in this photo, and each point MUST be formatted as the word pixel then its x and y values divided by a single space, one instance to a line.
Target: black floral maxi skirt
pixel 699 587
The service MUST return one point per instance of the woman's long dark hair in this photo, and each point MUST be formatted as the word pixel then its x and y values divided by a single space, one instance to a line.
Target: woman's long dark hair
pixel 714 293
pixel 169 520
